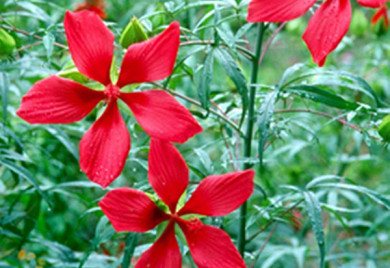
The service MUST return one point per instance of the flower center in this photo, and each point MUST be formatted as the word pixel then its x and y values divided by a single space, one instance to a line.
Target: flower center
pixel 112 91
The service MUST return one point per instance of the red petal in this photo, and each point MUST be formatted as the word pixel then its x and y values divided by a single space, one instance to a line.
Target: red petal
pixel 161 115
pixel 372 3
pixel 91 44
pixel 381 13
pixel 131 210
pixel 168 173
pixel 277 10
pixel 151 60
pixel 210 247
pixel 105 146
pixel 327 27
pixel 57 100
pixel 164 253
pixel 219 195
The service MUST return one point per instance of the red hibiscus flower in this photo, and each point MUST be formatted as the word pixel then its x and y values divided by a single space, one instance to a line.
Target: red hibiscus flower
pixel 96 6
pixel 133 211
pixel 105 146
pixel 381 13
pixel 326 28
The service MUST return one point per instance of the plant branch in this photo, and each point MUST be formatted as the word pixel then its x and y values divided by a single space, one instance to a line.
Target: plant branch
pixel 243 50
pixel 264 244
pixel 249 131
pixel 14 29
pixel 340 120
pixel 282 214
pixel 198 104
pixel 270 41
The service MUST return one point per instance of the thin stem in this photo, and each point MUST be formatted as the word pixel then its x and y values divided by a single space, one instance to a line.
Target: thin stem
pixel 281 215
pixel 241 49
pixel 340 120
pixel 12 28
pixel 249 131
pixel 195 102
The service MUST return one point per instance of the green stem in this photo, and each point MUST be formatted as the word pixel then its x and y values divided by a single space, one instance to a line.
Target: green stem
pixel 249 131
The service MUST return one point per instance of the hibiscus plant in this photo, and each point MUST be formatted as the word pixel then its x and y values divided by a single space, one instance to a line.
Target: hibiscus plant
pixel 211 134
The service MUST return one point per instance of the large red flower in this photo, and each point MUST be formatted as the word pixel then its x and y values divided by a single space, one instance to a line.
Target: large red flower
pixel 133 211
pixel 105 146
pixel 326 28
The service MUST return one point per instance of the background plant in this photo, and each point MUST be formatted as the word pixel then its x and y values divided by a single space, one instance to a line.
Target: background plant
pixel 322 178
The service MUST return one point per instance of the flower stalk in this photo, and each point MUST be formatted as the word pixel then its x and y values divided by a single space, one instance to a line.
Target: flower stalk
pixel 249 130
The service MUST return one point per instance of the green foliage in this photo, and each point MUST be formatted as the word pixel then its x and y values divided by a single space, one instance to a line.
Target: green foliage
pixel 322 185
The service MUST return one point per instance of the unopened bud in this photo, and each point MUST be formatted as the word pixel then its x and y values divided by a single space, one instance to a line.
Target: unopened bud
pixel 7 43
pixel 133 33
pixel 384 129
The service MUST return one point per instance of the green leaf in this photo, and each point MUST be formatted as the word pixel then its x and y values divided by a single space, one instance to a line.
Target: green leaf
pixel 289 72
pixel 355 82
pixel 4 86
pixel 376 197
pixel 206 80
pixel 24 173
pixel 264 119
pixel 314 211
pixel 238 78
pixel 322 96
pixel 48 43
pixel 133 33
pixel 103 232
pixel 35 11
pixel 61 135
pixel 32 213
pixel 205 160
pixel 131 243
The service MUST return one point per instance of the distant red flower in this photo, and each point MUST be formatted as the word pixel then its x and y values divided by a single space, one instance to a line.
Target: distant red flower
pixel 96 6
pixel 105 146
pixel 131 210
pixel 379 14
pixel 296 219
pixel 326 28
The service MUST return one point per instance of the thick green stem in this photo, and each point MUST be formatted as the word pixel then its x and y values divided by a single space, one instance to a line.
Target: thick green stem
pixel 249 131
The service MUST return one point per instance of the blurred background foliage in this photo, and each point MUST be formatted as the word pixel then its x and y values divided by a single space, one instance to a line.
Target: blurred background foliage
pixel 322 183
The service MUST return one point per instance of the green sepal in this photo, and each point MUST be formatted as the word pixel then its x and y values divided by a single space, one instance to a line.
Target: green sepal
pixel 70 71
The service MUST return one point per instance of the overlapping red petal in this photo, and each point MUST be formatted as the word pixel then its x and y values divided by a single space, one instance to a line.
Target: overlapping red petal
pixel 105 146
pixel 372 3
pixel 168 173
pixel 151 60
pixel 91 44
pixel 162 116
pixel 56 100
pixel 210 247
pixel 219 195
pixel 277 10
pixel 131 210
pixel 327 27
pixel 164 252
pixel 379 14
